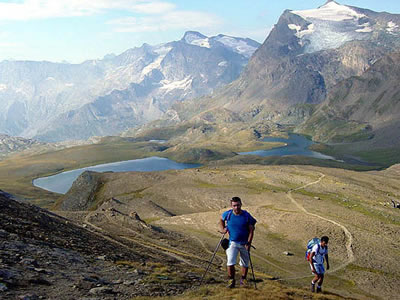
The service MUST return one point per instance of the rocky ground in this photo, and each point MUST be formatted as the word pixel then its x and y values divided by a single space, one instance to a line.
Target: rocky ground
pixel 44 256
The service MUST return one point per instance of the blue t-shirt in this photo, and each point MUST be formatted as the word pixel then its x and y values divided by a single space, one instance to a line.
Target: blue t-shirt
pixel 238 225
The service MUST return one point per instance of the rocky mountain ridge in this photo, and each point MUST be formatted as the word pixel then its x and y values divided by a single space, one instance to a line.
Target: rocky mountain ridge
pixel 365 107
pixel 306 54
pixel 10 144
pixel 55 102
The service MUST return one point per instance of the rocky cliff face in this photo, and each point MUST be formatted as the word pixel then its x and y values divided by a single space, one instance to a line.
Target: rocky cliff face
pixel 361 107
pixel 54 102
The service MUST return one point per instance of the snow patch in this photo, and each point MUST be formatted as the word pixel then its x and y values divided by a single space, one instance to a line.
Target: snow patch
pixel 223 63
pixel 50 78
pixel 365 28
pixel 237 45
pixel 156 64
pixel 331 11
pixel 3 86
pixel 22 91
pixel 162 50
pixel 201 43
pixel 69 84
pixel 300 33
pixel 170 85
pixel 193 36
pixel 294 27
pixel 197 39
pixel 392 27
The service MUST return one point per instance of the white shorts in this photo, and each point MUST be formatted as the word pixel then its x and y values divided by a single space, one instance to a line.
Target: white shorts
pixel 232 252
pixel 319 268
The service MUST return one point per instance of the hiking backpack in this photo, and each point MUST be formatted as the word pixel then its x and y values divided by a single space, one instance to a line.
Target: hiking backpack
pixel 311 243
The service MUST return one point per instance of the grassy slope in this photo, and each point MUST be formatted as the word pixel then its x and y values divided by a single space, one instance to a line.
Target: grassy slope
pixel 265 290
pixel 356 200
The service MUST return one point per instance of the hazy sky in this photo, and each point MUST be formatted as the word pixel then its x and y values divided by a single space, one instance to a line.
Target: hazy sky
pixel 76 30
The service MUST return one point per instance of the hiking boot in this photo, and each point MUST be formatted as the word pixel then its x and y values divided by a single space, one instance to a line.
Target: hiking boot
pixel 243 283
pixel 312 288
pixel 319 290
pixel 231 283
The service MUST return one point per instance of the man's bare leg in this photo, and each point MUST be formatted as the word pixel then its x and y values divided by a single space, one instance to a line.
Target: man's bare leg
pixel 231 272
pixel 244 272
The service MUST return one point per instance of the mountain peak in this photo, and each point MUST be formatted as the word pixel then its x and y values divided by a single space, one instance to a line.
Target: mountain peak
pixel 196 38
pixel 331 3
pixel 332 25
pixel 330 11
pixel 327 2
pixel 191 36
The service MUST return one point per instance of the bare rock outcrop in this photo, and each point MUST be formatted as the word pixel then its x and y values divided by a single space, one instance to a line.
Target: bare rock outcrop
pixel 81 195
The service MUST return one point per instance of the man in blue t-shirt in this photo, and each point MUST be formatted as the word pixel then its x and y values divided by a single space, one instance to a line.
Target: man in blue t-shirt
pixel 240 226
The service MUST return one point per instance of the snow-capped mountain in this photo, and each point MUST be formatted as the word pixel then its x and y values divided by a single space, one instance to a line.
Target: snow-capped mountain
pixel 241 46
pixel 305 55
pixel 54 101
pixel 332 25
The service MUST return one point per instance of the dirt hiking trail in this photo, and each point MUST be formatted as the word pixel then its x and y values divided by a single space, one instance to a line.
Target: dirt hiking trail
pixel 349 236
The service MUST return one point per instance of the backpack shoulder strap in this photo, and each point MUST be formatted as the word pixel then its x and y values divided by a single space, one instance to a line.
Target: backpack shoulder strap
pixel 228 217
pixel 247 217
pixel 318 248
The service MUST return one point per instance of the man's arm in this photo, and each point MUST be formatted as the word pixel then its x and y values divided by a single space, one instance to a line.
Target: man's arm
pixel 222 228
pixel 250 238
pixel 311 262
pixel 327 261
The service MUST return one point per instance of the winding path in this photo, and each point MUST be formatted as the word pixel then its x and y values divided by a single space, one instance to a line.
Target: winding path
pixel 180 254
pixel 349 236
pixel 222 261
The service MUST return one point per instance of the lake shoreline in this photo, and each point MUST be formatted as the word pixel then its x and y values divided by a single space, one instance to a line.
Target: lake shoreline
pixel 60 183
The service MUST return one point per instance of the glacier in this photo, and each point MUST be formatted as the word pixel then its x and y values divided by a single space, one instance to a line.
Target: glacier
pixel 330 26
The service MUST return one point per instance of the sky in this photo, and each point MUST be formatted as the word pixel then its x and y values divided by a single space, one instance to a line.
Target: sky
pixel 77 30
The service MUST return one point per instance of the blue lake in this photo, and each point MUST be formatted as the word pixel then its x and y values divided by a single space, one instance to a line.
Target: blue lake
pixel 62 182
pixel 296 145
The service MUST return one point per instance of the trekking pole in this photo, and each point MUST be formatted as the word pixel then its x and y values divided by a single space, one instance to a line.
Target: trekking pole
pixel 252 270
pixel 212 258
